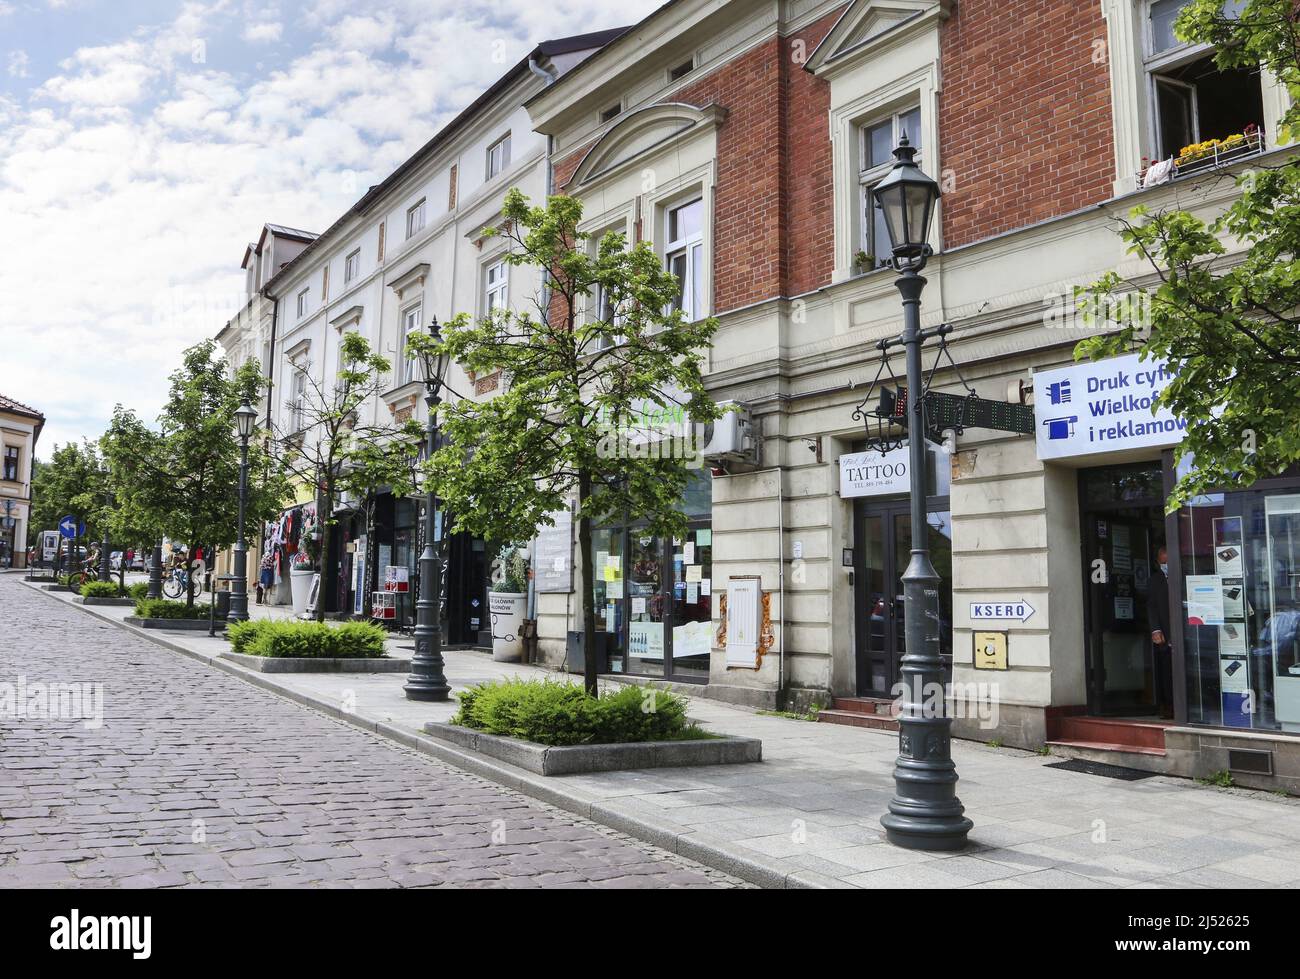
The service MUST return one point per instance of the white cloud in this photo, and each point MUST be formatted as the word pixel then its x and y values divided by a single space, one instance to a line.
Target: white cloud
pixel 16 64
pixel 264 32
pixel 133 177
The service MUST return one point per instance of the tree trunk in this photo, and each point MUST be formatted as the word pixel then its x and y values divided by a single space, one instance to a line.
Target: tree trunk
pixel 323 519
pixel 585 583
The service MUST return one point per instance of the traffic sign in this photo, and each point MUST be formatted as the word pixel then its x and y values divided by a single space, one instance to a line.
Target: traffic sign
pixel 70 527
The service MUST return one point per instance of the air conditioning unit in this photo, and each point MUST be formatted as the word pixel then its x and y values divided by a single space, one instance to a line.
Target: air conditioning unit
pixel 732 437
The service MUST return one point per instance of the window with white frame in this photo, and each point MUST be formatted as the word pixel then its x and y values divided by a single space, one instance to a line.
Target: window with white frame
pixel 302 303
pixel 496 286
pixel 415 218
pixel 352 266
pixel 602 302
pixel 298 399
pixel 412 321
pixel 498 156
pixel 1192 101
pixel 876 156
pixel 684 255
pixel 12 455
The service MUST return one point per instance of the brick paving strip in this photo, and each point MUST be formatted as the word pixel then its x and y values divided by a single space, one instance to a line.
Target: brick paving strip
pixel 197 779
pixel 808 815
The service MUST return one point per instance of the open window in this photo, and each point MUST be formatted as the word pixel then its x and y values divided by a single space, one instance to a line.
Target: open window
pixel 684 256
pixel 876 156
pixel 1201 115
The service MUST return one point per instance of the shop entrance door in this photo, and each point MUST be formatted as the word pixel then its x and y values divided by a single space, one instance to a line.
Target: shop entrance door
pixel 881 552
pixel 1122 526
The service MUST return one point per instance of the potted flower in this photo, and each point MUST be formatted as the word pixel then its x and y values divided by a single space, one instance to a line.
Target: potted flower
pixel 508 606
pixel 302 569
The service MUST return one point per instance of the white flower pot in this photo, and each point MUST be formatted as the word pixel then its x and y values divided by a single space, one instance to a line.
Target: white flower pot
pixel 507 611
pixel 300 585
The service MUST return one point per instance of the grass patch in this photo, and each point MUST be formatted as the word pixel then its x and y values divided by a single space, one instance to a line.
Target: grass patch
pixel 553 713
pixel 307 640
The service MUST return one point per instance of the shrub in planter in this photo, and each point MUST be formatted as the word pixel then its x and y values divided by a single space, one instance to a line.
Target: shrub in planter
pixel 162 608
pixel 100 589
pixel 350 640
pixel 138 591
pixel 242 635
pixel 551 713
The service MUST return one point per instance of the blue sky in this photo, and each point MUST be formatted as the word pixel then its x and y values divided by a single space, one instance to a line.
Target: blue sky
pixel 143 143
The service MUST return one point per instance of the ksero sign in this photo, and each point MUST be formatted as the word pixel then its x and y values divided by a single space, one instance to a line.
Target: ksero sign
pixel 1103 406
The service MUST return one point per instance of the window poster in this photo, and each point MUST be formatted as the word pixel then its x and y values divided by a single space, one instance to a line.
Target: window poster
pixel 645 640
pixel 1232 639
pixel 689 552
pixel 693 639
pixel 1227 547
pixel 1204 599
pixel 704 538
pixel 1121 553
pixel 1233 675
pixel 695 573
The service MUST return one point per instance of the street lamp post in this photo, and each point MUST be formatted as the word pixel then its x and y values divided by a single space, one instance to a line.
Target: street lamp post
pixel 105 566
pixel 925 813
pixel 427 680
pixel 245 420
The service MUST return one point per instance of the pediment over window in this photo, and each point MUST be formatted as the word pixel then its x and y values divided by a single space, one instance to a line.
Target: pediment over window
pixel 867 25
pixel 642 132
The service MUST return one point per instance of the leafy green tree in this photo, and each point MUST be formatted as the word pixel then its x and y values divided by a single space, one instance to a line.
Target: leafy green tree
pixel 375 467
pixel 1227 323
pixel 139 476
pixel 184 478
pixel 605 347
pixel 329 431
pixel 71 482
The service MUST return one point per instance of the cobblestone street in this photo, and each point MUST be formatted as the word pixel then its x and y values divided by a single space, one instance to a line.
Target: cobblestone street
pixel 197 778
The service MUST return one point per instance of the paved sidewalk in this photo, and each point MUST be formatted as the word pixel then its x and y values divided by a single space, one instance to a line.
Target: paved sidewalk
pixel 808 815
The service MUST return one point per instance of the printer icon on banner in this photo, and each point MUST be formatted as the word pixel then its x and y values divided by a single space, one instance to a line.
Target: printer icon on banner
pixel 1061 428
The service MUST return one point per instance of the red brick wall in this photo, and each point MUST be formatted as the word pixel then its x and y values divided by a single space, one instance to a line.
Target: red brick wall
pixel 773 220
pixel 1024 116
pixel 808 172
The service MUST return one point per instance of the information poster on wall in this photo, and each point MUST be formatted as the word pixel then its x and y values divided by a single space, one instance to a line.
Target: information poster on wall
pixel 1121 553
pixel 1204 599
pixel 553 555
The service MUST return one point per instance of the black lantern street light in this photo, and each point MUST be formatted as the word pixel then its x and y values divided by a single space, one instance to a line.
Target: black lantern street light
pixel 245 422
pixel 105 547
pixel 427 680
pixel 925 813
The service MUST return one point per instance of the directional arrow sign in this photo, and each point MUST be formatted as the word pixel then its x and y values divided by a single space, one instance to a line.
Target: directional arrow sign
pixel 1014 611
pixel 69 527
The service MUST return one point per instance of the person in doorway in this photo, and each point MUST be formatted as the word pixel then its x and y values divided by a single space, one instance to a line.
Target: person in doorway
pixel 1158 620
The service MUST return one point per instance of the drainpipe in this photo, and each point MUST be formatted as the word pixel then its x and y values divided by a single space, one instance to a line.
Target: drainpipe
pixel 780 548
pixel 548 78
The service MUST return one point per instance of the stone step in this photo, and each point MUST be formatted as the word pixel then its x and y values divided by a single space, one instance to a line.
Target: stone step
pixel 854 718
pixel 1134 735
pixel 865 705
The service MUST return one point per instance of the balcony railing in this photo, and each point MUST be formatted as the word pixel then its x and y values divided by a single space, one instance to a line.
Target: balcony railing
pixel 1211 156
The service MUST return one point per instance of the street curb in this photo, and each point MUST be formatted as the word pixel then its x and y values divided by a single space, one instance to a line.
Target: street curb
pixel 659 831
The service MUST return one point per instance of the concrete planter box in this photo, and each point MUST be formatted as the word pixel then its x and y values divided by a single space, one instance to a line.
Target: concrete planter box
pixel 579 759
pixel 308 664
pixel 91 600
pixel 176 625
